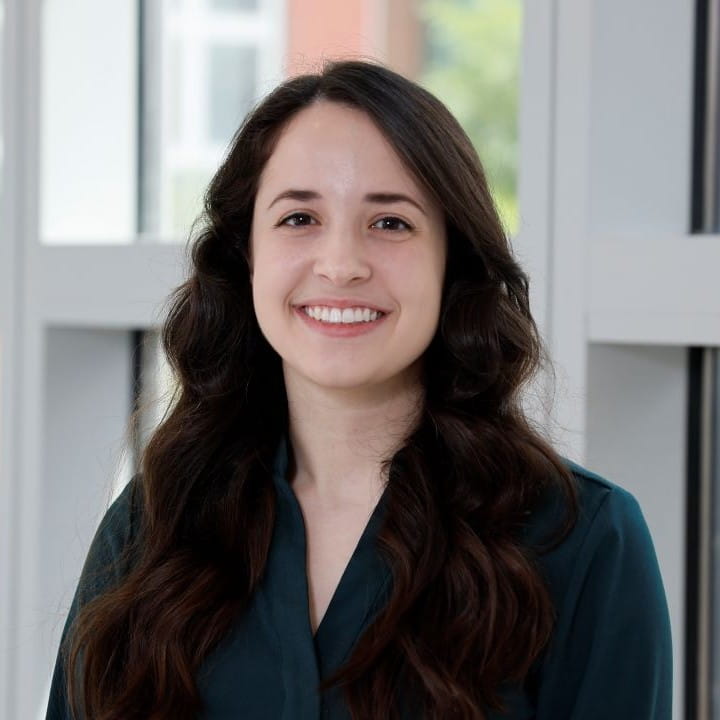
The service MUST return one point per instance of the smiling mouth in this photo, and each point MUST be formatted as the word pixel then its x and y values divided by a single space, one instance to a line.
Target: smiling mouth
pixel 344 316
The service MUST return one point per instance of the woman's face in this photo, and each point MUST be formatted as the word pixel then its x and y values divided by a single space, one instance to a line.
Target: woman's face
pixel 348 254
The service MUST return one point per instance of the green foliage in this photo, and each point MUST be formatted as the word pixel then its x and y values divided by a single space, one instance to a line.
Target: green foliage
pixel 472 64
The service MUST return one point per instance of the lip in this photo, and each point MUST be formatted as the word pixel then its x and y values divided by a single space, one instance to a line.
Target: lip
pixel 341 303
pixel 339 330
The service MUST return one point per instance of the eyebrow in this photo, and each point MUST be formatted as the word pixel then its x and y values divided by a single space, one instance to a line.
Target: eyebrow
pixel 379 198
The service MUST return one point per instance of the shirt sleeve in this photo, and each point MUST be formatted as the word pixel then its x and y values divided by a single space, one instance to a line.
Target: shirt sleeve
pixel 611 652
pixel 104 565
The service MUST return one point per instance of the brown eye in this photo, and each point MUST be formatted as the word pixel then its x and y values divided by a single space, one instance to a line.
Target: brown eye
pixel 392 223
pixel 297 220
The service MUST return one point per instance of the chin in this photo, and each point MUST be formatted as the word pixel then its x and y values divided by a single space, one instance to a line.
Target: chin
pixel 343 382
pixel 335 377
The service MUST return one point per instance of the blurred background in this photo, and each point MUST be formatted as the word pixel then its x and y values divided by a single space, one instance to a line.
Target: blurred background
pixel 597 121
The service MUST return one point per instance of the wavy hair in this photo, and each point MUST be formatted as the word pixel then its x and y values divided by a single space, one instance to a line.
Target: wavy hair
pixel 469 610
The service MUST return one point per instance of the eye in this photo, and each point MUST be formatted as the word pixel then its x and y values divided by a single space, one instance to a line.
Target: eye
pixel 390 222
pixel 298 219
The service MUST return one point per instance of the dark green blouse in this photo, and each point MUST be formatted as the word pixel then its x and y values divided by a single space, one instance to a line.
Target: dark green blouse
pixel 609 657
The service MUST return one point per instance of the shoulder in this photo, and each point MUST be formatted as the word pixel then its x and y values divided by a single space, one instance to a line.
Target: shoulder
pixel 109 554
pixel 105 564
pixel 606 510
pixel 600 504
pixel 611 650
pixel 609 545
pixel 604 507
pixel 120 523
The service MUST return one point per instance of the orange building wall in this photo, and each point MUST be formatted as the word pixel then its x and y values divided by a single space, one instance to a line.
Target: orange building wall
pixel 324 29
pixel 403 37
pixel 384 30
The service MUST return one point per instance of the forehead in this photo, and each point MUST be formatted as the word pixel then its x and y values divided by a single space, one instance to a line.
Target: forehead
pixel 336 148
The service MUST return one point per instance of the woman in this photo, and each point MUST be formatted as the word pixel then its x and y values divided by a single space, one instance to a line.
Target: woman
pixel 346 513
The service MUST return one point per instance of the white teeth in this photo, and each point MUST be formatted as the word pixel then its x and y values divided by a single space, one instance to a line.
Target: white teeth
pixel 344 316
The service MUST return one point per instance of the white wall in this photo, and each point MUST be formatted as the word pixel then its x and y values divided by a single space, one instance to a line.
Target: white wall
pixel 86 405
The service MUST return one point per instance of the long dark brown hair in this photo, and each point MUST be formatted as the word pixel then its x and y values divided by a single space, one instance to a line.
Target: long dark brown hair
pixel 469 610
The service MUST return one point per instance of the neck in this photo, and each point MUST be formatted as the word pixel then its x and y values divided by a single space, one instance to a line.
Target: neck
pixel 340 438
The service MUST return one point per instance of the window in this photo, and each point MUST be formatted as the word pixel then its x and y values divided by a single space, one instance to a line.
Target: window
pixel 472 62
pixel 139 104
pixel 205 62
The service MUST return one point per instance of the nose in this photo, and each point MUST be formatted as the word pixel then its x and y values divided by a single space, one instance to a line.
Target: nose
pixel 341 258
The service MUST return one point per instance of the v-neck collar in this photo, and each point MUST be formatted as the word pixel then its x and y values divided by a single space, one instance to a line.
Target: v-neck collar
pixel 360 591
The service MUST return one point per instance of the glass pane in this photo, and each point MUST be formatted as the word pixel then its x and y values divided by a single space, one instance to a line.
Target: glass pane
pixel 467 52
pixel 232 88
pixel 234 4
pixel 207 64
pixel 714 452
pixel 200 77
pixel 88 126
pixel 472 63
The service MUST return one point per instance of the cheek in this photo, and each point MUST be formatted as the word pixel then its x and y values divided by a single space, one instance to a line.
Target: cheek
pixel 277 258
pixel 275 274
pixel 262 284
pixel 421 276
